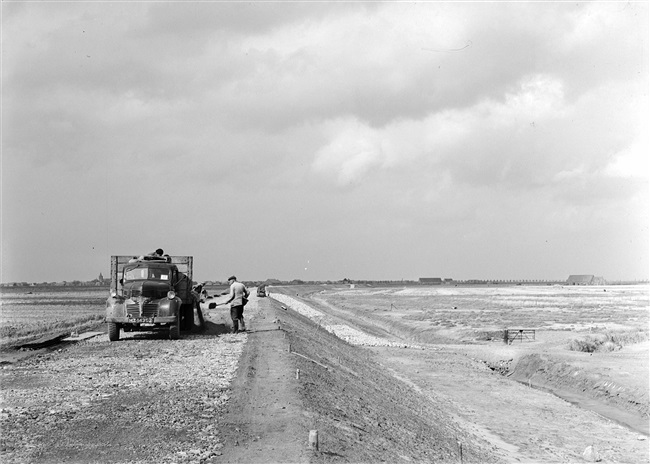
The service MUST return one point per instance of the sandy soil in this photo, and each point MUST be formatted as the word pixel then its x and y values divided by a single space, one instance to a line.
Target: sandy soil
pixel 605 395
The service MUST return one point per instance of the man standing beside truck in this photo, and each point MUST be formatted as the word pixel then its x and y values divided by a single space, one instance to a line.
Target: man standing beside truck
pixel 237 298
pixel 199 293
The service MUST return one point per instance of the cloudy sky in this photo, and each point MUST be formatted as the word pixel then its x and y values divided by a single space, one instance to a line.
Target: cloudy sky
pixel 324 140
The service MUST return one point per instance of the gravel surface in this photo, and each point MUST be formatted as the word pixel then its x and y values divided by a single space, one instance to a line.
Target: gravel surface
pixel 343 331
pixel 158 398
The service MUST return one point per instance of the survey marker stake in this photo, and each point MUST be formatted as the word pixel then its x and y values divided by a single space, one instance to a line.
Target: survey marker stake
pixel 313 440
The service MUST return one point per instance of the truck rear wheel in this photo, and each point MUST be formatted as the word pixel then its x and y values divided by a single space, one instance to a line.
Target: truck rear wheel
pixel 113 331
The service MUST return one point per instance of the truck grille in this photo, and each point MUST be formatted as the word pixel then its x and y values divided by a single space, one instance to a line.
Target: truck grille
pixel 148 310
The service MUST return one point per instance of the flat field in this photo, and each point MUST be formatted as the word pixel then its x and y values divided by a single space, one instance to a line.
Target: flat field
pixel 468 312
pixel 30 311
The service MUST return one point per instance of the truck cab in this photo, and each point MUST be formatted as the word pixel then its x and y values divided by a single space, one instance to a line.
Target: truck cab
pixel 150 294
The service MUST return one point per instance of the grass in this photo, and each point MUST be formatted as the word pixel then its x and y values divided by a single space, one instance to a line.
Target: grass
pixel 18 332
pixel 601 317
pixel 27 314
pixel 493 308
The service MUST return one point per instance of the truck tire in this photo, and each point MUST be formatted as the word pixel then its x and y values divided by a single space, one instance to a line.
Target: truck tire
pixel 174 332
pixel 187 317
pixel 113 331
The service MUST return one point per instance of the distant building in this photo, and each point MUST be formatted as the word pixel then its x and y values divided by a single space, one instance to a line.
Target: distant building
pixel 430 280
pixel 585 279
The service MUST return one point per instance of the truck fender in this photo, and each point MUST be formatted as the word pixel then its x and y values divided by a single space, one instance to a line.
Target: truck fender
pixel 115 307
pixel 167 307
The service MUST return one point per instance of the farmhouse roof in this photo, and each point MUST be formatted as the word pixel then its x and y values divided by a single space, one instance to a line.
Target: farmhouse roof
pixel 430 280
pixel 584 279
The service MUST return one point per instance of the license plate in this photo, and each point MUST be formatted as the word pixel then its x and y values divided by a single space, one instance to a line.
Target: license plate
pixel 142 320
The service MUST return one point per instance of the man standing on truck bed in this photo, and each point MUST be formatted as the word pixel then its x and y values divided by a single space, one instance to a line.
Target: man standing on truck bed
pixel 238 297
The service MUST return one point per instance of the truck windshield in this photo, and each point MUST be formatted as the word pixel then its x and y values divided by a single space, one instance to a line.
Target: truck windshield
pixel 140 273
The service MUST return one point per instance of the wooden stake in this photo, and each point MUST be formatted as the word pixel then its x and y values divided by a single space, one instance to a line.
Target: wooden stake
pixel 313 440
pixel 309 359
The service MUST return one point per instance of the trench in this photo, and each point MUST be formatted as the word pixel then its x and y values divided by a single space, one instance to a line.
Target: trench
pixel 634 422
pixel 623 418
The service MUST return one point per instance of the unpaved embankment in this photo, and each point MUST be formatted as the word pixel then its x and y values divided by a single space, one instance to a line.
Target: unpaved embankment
pixel 523 423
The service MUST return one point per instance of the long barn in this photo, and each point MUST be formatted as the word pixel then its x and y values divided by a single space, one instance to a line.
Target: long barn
pixel 585 279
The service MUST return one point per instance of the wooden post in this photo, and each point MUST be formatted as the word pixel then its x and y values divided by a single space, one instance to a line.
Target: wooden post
pixel 313 440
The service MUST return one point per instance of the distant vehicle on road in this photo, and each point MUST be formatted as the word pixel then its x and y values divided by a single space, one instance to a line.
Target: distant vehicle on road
pixel 261 290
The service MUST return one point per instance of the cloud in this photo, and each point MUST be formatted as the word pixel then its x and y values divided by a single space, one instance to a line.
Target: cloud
pixel 423 122
pixel 525 139
pixel 355 149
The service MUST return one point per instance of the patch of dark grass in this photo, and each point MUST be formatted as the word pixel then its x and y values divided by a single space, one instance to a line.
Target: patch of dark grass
pixel 15 335
pixel 608 341
pixel 488 335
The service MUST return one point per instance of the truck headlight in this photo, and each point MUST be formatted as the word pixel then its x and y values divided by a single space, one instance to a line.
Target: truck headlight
pixel 171 294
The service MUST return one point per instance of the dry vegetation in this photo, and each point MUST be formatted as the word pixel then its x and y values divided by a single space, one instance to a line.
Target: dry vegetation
pixel 482 312
pixel 28 313
pixel 608 341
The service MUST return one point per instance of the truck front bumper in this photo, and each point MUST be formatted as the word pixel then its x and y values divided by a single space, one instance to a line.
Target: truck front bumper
pixel 144 320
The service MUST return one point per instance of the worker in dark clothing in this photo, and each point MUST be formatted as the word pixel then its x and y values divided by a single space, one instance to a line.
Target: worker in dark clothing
pixel 158 253
pixel 197 296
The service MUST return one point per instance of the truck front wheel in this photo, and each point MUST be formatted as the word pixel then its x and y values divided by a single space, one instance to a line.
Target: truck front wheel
pixel 113 331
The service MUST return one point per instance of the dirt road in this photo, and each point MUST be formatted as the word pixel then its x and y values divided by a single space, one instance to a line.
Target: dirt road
pixel 264 420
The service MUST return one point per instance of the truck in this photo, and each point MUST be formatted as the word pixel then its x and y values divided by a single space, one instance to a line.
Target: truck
pixel 150 294
pixel 261 290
